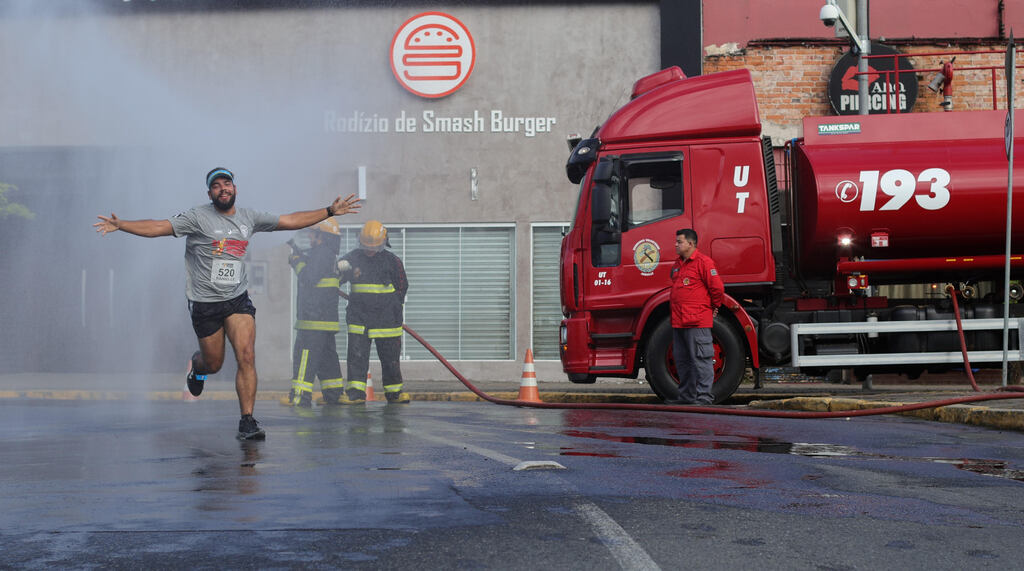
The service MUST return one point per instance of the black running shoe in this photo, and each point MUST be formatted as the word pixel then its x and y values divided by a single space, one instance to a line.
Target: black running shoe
pixel 249 429
pixel 194 381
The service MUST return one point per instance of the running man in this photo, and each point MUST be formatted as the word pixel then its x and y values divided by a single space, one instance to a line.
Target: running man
pixel 216 286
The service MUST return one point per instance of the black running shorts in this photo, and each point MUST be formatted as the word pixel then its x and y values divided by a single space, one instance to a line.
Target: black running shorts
pixel 208 317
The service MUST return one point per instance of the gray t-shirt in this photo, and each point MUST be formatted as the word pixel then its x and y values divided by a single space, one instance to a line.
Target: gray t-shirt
pixel 215 248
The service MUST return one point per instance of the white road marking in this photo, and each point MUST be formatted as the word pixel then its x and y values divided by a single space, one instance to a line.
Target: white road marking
pixel 622 546
pixel 472 448
pixel 624 549
pixel 538 465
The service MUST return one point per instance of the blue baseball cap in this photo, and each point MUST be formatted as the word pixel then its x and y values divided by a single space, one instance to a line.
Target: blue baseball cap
pixel 217 173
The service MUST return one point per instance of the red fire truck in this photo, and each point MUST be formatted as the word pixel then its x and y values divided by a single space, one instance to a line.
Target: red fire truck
pixel 873 201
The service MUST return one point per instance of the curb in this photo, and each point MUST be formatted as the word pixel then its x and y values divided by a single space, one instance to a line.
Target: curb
pixel 999 418
pixel 218 395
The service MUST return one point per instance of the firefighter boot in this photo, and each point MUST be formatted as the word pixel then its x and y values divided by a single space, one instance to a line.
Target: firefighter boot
pixel 342 398
pixel 351 397
pixel 400 397
pixel 303 400
pixel 331 396
pixel 287 401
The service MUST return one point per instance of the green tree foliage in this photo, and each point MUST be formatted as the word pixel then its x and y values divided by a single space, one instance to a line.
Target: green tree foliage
pixel 8 208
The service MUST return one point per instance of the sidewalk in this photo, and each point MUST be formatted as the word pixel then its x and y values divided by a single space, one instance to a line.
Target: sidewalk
pixel 886 391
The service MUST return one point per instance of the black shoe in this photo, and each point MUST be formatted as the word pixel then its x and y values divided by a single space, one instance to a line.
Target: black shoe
pixel 194 381
pixel 249 429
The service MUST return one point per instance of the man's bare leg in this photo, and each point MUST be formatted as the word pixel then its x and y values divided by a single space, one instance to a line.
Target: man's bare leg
pixel 241 332
pixel 211 350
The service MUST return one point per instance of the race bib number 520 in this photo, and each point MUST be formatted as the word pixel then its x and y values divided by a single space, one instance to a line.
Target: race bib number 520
pixel 226 272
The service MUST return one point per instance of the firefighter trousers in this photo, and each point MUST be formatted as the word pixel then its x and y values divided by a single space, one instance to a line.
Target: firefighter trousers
pixel 315 356
pixel 389 350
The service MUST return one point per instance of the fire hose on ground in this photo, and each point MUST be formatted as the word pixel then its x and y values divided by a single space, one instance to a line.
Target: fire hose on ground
pixel 1015 392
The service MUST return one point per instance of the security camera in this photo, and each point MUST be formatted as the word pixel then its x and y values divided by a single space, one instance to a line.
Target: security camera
pixel 829 14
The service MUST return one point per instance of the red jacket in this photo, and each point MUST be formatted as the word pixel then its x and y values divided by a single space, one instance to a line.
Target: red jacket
pixel 696 291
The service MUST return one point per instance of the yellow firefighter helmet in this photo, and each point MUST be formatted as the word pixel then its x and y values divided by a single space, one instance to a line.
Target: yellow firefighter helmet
pixel 329 226
pixel 373 235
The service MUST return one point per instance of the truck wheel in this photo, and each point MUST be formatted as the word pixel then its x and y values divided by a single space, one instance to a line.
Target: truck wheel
pixel 730 361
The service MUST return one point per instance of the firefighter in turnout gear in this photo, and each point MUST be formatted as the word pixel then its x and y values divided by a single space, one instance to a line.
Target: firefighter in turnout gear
pixel 375 313
pixel 316 352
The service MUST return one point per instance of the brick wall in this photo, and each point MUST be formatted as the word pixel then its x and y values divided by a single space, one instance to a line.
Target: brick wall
pixel 791 81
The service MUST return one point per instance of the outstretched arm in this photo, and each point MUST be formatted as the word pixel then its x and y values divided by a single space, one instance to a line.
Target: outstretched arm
pixel 299 220
pixel 147 228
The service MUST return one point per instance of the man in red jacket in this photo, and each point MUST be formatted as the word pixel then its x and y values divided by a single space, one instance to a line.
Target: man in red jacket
pixel 697 292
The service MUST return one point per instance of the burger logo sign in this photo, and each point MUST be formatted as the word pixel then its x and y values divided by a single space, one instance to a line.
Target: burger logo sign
pixel 432 54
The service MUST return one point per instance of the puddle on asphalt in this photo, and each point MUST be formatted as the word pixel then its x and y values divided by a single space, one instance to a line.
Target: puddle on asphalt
pixel 986 467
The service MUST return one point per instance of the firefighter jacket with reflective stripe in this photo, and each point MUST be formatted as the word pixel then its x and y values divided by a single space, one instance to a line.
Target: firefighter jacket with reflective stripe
pixel 696 291
pixel 377 293
pixel 318 289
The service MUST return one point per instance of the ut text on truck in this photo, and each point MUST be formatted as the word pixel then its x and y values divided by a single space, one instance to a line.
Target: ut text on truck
pixel 874 201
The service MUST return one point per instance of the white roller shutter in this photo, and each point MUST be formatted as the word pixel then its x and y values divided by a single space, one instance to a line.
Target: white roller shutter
pixel 461 284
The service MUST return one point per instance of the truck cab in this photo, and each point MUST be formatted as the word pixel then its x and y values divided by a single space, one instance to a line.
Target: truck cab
pixel 679 155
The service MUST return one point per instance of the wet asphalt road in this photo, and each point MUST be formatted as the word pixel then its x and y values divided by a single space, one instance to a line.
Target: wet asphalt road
pixel 159 484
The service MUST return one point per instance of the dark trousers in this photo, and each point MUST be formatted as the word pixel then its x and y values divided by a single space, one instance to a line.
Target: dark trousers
pixel 693 350
pixel 316 356
pixel 389 350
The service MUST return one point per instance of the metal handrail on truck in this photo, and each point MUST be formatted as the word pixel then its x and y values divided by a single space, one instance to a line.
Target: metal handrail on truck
pixel 860 359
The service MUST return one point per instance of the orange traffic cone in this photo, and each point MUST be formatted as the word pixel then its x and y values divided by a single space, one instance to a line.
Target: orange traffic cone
pixel 369 386
pixel 528 384
pixel 185 395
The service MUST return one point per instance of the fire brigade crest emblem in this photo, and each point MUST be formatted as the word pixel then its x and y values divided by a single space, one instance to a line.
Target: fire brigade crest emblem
pixel 646 255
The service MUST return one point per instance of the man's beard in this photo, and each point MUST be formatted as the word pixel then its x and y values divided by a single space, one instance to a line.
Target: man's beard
pixel 223 207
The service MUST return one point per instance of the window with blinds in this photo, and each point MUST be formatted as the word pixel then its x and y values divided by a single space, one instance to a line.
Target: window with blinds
pixel 547 305
pixel 461 289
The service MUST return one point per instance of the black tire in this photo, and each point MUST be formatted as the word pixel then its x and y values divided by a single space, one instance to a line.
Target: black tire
pixel 730 360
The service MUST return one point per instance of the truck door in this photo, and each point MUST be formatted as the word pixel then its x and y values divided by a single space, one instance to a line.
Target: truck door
pixel 639 203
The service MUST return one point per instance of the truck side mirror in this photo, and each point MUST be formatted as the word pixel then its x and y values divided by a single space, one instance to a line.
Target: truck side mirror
pixel 584 153
pixel 605 233
pixel 604 171
pixel 600 205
